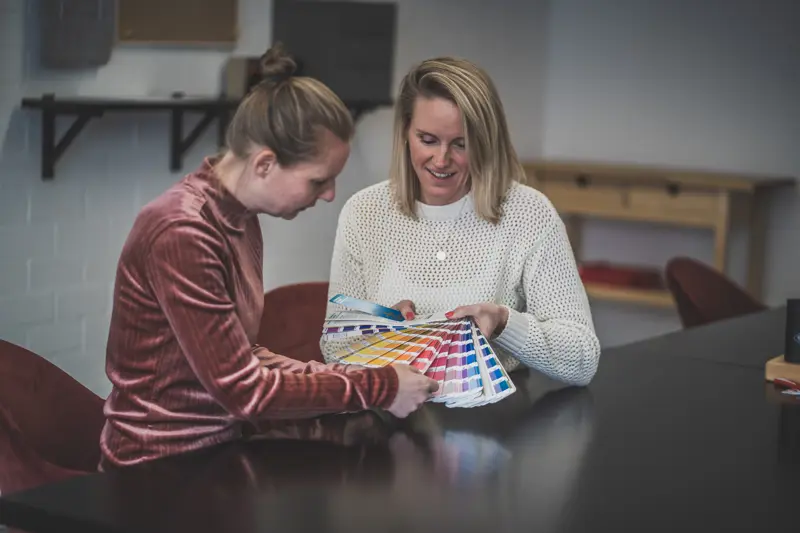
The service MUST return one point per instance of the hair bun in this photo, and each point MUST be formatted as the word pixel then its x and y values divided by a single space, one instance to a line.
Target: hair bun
pixel 277 65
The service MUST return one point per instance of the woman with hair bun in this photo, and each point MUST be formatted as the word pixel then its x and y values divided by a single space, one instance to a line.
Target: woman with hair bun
pixel 454 229
pixel 181 356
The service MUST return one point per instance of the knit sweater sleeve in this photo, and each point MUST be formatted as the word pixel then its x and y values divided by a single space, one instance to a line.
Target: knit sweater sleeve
pixel 187 271
pixel 346 274
pixel 554 334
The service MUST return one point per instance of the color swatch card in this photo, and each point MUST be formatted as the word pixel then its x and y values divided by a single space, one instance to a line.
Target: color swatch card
pixel 347 324
pixel 453 352
pixel 368 307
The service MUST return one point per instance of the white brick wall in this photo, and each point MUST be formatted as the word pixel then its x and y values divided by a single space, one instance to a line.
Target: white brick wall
pixel 60 240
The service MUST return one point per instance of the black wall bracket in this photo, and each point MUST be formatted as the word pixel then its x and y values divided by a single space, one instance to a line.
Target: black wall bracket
pixel 52 150
pixel 179 144
pixel 84 109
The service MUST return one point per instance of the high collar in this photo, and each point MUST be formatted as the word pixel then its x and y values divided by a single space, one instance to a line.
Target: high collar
pixel 446 212
pixel 229 208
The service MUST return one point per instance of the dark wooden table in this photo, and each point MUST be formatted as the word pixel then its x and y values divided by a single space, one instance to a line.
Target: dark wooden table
pixel 678 433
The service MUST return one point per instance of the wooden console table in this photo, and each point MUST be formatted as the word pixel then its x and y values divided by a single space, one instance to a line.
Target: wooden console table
pixel 699 199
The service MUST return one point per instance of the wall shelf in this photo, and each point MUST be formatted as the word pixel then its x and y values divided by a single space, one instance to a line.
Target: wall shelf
pixel 679 197
pixel 84 109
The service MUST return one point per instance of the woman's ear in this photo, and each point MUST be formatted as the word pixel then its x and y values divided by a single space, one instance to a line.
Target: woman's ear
pixel 264 162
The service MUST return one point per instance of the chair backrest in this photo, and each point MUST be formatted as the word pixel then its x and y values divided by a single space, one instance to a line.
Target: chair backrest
pixel 704 295
pixel 60 419
pixel 21 468
pixel 291 323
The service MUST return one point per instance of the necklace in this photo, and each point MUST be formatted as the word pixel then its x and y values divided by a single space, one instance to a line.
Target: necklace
pixel 441 254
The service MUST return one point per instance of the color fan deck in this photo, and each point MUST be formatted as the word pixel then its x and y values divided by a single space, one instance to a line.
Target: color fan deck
pixel 453 352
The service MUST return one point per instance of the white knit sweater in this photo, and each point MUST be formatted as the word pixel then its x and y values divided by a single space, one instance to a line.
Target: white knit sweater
pixel 525 263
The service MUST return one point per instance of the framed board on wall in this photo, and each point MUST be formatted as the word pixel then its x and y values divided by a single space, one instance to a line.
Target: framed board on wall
pixel 178 22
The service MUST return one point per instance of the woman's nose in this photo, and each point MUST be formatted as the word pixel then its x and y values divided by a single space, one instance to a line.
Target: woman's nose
pixel 329 194
pixel 441 158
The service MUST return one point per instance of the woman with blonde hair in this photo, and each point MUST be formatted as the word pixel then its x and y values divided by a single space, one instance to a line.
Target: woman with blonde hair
pixel 455 229
pixel 181 356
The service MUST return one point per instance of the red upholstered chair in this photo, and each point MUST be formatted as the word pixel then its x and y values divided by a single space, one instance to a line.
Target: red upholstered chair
pixel 50 424
pixel 21 467
pixel 704 295
pixel 291 324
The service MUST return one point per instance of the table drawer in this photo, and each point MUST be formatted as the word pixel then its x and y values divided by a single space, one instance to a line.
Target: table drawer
pixel 676 205
pixel 573 197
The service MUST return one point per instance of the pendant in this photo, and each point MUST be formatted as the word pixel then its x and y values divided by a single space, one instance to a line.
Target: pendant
pixel 441 255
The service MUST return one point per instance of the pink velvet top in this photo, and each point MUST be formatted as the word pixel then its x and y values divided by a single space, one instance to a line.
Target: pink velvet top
pixel 181 355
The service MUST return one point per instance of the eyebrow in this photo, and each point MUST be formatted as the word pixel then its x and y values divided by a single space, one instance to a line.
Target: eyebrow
pixel 423 132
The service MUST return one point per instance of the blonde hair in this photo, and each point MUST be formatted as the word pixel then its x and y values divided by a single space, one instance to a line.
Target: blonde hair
pixel 493 162
pixel 286 113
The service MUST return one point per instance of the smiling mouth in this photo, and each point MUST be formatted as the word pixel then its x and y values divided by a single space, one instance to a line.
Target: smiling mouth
pixel 440 175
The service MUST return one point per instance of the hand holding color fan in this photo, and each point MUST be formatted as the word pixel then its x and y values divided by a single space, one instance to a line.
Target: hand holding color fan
pixel 453 352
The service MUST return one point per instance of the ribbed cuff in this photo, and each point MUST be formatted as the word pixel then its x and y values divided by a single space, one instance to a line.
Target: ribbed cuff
pixel 385 390
pixel 515 334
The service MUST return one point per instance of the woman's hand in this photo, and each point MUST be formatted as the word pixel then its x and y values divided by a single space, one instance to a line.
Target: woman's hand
pixel 407 308
pixel 490 318
pixel 413 389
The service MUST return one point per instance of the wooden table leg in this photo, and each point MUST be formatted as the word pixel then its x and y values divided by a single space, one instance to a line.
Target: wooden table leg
pixel 721 232
pixel 757 234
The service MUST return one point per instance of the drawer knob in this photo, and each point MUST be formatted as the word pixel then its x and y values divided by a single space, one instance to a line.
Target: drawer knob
pixel 673 189
pixel 582 180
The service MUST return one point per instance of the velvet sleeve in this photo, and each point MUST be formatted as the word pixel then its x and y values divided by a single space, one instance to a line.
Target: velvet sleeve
pixel 276 361
pixel 186 268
